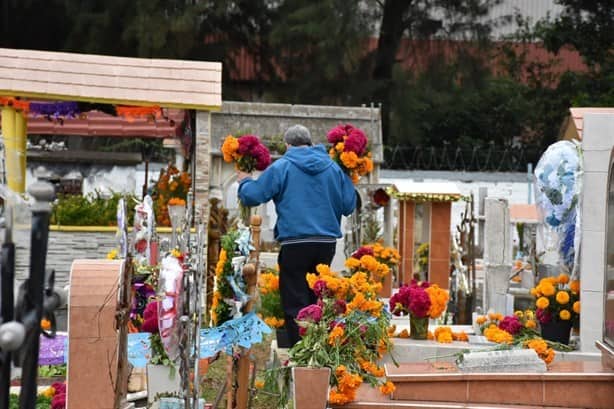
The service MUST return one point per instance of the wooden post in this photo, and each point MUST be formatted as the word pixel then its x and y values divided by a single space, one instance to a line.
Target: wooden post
pixel 250 275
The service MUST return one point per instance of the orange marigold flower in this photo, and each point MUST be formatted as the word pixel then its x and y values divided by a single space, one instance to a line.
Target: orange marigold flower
pixel 542 302
pixel 574 286
pixel 387 388
pixel 565 315
pixel 576 307
pixel 336 335
pixel 45 324
pixel 562 297
pixel 230 148
pixel 530 324
pixel 547 289
pixel 349 159
pixel 404 334
pixel 259 384
pixel 563 278
pixel 481 319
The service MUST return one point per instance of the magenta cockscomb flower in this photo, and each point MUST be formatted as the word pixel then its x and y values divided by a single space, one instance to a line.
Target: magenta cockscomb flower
pixel 311 313
pixel 336 134
pixel 362 251
pixel 511 324
pixel 543 316
pixel 356 142
pixel 320 288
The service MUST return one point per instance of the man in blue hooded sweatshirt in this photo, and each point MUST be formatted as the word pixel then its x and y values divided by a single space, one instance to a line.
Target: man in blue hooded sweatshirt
pixel 310 192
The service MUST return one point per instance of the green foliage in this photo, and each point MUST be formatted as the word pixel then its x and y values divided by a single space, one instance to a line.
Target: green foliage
pixel 90 210
pixel 158 353
pixel 48 371
pixel 42 402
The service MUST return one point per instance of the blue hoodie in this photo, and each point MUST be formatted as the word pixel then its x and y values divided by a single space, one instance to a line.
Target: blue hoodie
pixel 309 190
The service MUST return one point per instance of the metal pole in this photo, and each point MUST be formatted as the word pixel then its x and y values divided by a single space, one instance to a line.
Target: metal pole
pixel 32 306
pixel 7 271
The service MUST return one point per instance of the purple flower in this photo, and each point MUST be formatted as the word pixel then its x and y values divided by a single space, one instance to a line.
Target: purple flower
pixel 511 324
pixel 543 316
pixel 312 313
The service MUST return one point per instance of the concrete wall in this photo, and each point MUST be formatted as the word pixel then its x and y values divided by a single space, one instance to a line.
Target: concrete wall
pixel 597 144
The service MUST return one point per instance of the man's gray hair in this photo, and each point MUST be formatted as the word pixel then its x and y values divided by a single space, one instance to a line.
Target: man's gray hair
pixel 297 135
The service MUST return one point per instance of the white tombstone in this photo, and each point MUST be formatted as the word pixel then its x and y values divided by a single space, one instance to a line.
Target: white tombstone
pixel 497 254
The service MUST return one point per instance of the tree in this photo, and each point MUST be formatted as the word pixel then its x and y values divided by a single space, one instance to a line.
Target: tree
pixel 462 20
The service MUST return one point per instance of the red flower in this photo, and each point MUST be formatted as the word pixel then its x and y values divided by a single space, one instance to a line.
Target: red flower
pixel 311 313
pixel 319 288
pixel 511 324
pixel 362 251
pixel 150 318
pixel 336 134
pixel 356 142
pixel 543 316
pixel 380 197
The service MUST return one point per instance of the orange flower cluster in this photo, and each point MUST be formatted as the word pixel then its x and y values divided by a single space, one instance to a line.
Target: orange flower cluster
pixel 376 270
pixel 268 283
pixel 439 300
pixel 495 334
pixel 557 299
pixel 356 166
pixel 347 384
pixel 541 347
pixel 172 188
pixel 270 298
pixel 387 255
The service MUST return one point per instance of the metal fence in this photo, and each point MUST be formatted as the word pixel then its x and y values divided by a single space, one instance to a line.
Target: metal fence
pixel 489 158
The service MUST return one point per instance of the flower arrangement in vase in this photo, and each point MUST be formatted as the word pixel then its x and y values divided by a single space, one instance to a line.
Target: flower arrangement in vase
pixel 344 331
pixel 349 148
pixel 171 185
pixel 421 300
pixel 557 302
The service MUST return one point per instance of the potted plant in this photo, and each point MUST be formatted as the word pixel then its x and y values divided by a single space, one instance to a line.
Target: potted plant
pixel 422 301
pixel 271 309
pixel 557 302
pixel 343 338
pixel 161 373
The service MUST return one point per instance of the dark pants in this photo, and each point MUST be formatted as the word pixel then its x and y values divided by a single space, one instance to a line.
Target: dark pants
pixel 295 261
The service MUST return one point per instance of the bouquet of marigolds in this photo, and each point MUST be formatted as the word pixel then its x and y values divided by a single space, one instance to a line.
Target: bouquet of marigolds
pixel 247 152
pixel 172 188
pixel 349 148
pixel 557 299
pixel 518 331
pixel 345 331
pixel 271 309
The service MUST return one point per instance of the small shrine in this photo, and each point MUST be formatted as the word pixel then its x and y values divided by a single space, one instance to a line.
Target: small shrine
pixel 424 229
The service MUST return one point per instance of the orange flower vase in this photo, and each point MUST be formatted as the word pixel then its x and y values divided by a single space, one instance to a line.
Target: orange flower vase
pixel 310 387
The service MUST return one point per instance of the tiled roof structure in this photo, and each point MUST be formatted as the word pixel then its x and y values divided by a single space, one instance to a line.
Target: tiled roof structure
pixel 108 79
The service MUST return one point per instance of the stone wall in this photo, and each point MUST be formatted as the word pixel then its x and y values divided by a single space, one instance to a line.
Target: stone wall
pixel 269 121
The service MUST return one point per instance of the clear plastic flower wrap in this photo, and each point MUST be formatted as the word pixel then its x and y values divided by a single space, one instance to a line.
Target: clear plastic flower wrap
pixel 558 177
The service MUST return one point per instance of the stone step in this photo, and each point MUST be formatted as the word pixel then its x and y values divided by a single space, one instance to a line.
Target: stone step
pixel 440 385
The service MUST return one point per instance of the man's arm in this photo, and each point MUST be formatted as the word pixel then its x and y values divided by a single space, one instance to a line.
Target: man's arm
pixel 254 192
